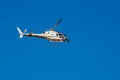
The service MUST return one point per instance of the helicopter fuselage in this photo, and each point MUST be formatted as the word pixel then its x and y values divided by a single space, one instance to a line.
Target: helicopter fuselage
pixel 52 36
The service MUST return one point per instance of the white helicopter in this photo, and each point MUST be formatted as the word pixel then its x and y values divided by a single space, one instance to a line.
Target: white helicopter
pixel 51 35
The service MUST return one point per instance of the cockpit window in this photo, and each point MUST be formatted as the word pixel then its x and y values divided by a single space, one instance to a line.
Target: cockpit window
pixel 61 35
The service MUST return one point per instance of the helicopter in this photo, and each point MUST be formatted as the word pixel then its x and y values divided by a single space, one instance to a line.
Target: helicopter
pixel 51 35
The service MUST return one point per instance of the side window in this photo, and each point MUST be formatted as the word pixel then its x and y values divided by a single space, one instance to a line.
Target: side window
pixel 61 36
pixel 56 34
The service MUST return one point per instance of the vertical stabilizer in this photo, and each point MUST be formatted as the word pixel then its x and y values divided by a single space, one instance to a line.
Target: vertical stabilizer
pixel 20 32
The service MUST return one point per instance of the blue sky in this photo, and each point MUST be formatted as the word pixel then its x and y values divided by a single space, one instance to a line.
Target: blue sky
pixel 93 27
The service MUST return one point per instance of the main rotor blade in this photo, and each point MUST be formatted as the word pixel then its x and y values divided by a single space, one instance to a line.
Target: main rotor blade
pixel 56 24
